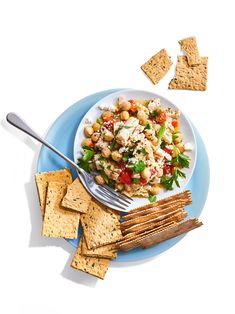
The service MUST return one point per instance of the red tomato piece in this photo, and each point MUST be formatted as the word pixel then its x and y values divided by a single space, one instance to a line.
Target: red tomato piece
pixel 131 101
pixel 167 168
pixel 167 150
pixel 162 117
pixel 92 145
pixel 153 171
pixel 126 176
pixel 175 123
pixel 142 181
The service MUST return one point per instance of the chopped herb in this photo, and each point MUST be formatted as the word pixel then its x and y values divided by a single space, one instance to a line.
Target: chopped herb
pixel 181 160
pixel 127 155
pixel 163 144
pixel 152 198
pixel 101 158
pixel 128 126
pixel 136 180
pixel 175 136
pixel 113 143
pixel 112 184
pixel 168 182
pixel 104 176
pixel 161 131
pixel 87 147
pixel 88 154
pixel 143 151
pixel 84 165
pixel 153 113
pixel 100 121
pixel 148 125
pixel 138 167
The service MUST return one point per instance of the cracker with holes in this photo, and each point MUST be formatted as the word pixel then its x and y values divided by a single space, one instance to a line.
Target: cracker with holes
pixel 189 46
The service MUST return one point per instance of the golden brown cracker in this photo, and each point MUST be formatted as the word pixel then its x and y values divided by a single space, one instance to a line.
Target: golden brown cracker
pixel 42 179
pixel 76 198
pixel 91 265
pixel 189 46
pixel 107 251
pixel 157 66
pixel 190 78
pixel 100 226
pixel 59 222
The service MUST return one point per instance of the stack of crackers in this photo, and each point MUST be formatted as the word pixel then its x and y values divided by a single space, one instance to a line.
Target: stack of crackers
pixel 64 204
pixel 191 69
pixel 154 223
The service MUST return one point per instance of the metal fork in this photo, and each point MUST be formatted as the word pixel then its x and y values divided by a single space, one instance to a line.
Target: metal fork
pixel 102 193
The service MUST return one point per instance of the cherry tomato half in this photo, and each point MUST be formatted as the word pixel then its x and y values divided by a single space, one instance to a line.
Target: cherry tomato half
pixel 175 123
pixel 162 117
pixel 142 181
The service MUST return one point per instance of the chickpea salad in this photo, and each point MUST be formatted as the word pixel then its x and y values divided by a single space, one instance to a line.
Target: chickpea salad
pixel 136 147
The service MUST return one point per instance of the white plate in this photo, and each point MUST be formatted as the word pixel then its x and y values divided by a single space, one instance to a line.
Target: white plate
pixel 185 128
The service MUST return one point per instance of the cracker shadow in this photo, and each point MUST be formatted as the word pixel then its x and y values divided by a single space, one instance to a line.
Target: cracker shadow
pixel 77 276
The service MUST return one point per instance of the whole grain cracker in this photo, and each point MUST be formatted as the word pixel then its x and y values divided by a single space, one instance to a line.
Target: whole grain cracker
pixel 189 46
pixel 59 222
pixel 91 265
pixel 76 198
pixel 42 179
pixel 190 78
pixel 106 251
pixel 100 225
pixel 157 66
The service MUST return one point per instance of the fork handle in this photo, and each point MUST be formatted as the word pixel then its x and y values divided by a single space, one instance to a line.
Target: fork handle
pixel 17 122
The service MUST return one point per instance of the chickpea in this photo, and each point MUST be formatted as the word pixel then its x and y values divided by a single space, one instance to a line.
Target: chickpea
pixel 124 115
pixel 107 114
pixel 86 142
pixel 88 130
pixel 106 152
pixel 127 188
pixel 120 186
pixel 148 134
pixel 179 138
pixel 108 136
pixel 95 137
pixel 175 152
pixel 145 174
pixel 155 189
pixel 142 116
pixel 154 141
pixel 125 105
pixel 99 180
pixel 160 173
pixel 156 127
pixel 96 126
pixel 116 156
pixel 180 147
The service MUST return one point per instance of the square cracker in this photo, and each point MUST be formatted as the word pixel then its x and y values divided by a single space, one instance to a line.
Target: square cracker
pixel 191 78
pixel 157 66
pixel 101 226
pixel 59 222
pixel 189 46
pixel 42 179
pixel 106 251
pixel 76 198
pixel 91 265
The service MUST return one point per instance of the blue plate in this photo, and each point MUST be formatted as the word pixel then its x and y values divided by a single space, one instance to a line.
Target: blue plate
pixel 61 135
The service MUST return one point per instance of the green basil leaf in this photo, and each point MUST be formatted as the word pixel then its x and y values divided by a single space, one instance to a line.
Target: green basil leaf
pixel 136 180
pixel 84 165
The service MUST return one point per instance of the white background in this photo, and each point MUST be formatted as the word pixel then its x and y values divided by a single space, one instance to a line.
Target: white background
pixel 52 53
